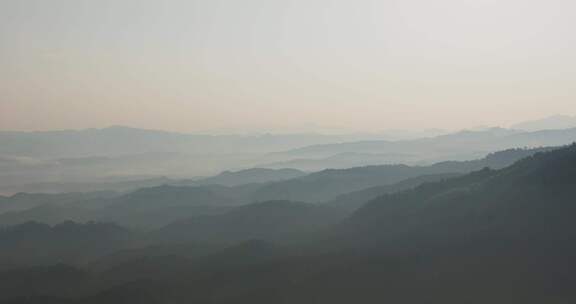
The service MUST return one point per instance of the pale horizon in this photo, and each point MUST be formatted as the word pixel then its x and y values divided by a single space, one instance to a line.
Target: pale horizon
pixel 303 129
pixel 362 66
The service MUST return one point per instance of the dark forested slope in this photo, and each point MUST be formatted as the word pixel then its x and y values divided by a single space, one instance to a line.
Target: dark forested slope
pixel 328 184
pixel 532 200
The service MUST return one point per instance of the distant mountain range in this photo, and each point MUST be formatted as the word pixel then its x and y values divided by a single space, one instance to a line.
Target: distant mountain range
pixel 454 146
pixel 250 176
pixel 226 178
pixel 120 140
pixel 548 123
pixel 87 160
pixel 150 207
pixel 87 156
pixel 344 160
pixel 328 184
pixel 111 185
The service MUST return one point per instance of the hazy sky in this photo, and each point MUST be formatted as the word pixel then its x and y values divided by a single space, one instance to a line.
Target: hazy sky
pixel 194 65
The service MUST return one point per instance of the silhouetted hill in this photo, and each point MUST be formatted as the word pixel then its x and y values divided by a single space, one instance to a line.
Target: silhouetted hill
pixel 85 160
pixel 328 184
pixel 250 176
pixel 158 206
pixel 144 208
pixel 42 282
pixel 110 185
pixel 353 200
pixel 343 160
pixel 529 202
pixel 490 236
pixel 266 220
pixel 169 196
pixel 500 235
pixel 187 250
pixel 51 214
pixel 23 201
pixel 227 178
pixel 36 243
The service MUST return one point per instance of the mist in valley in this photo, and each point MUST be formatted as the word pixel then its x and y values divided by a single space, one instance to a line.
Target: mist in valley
pixel 294 152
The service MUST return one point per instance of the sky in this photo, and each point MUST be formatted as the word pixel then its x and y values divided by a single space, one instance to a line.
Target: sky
pixel 213 65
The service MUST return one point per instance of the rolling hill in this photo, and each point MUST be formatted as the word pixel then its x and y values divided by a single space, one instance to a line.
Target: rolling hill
pixel 328 184
pixel 530 202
